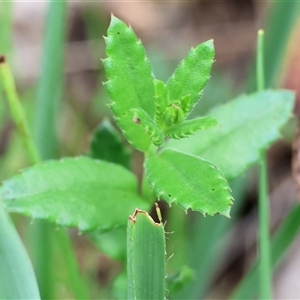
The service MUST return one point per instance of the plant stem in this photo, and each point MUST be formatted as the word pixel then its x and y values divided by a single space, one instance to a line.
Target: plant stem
pixel 49 93
pixel 263 201
pixel 6 8
pixel 284 236
pixel 260 74
pixel 50 86
pixel 146 191
pixel 17 113
pixel 280 23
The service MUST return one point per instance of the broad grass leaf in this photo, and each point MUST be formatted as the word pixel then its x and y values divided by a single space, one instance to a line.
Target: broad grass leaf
pixel 192 74
pixel 146 257
pixel 17 276
pixel 82 192
pixel 188 181
pixel 130 81
pixel 248 124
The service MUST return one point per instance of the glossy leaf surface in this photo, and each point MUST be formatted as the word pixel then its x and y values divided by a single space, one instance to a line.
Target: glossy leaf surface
pixel 192 74
pixel 248 124
pixel 189 181
pixel 82 192
pixel 130 82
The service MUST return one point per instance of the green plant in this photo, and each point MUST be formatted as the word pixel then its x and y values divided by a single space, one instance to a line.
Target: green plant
pixel 98 193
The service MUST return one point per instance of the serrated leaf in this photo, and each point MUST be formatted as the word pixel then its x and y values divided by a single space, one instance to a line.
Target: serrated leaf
pixel 141 118
pixel 248 124
pixel 188 181
pixel 130 82
pixel 82 192
pixel 107 145
pixel 185 104
pixel 174 115
pixel 192 74
pixel 189 127
pixel 161 102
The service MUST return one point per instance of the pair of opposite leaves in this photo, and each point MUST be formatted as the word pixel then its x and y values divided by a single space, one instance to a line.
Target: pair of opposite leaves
pixel 146 109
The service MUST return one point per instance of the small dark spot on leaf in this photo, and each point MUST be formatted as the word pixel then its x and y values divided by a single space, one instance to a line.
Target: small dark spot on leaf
pixel 169 195
pixel 2 59
pixel 137 120
pixel 212 189
pixel 118 32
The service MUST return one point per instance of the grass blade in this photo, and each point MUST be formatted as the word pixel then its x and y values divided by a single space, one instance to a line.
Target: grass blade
pixel 281 240
pixel 16 110
pixel 146 258
pixel 263 199
pixel 5 26
pixel 48 98
pixel 49 95
pixel 5 38
pixel 280 23
pixel 19 281
pixel 51 80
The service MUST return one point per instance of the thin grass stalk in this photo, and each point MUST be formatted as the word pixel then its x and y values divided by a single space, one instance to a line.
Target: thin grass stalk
pixel 49 97
pixel 6 8
pixel 5 44
pixel 282 239
pixel 17 113
pixel 280 23
pixel 263 201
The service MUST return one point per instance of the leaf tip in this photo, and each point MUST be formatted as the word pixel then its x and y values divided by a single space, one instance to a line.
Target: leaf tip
pixel 226 212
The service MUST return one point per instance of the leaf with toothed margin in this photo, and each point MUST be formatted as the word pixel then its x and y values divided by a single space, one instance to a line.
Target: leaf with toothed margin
pixel 161 102
pixel 189 181
pixel 75 192
pixel 248 124
pixel 130 81
pixel 185 104
pixel 141 118
pixel 189 127
pixel 191 75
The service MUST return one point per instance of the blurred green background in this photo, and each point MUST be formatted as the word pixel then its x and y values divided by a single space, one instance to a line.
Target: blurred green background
pixel 55 52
